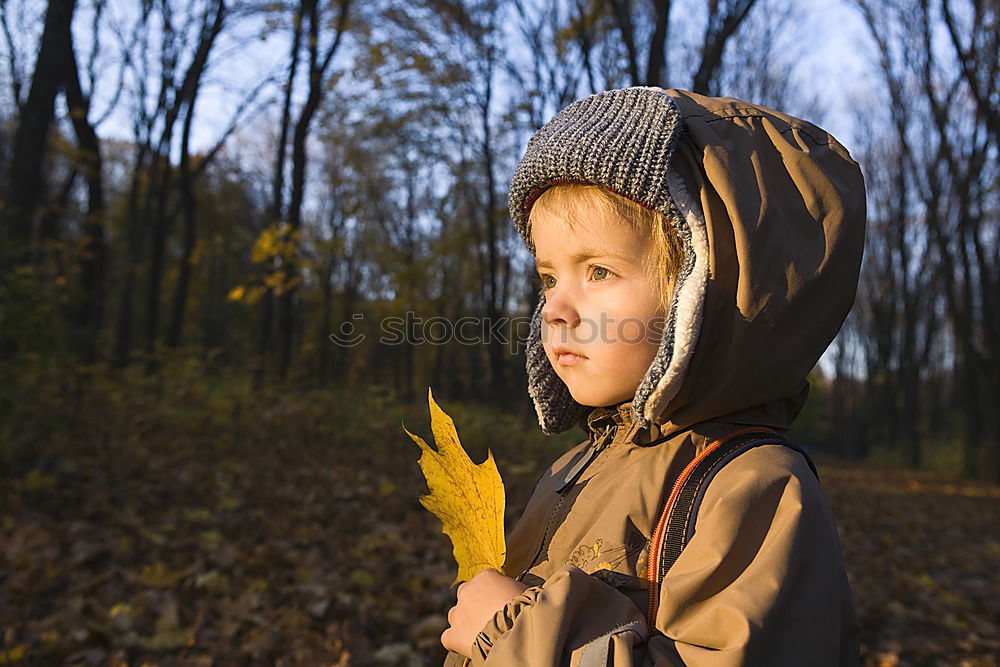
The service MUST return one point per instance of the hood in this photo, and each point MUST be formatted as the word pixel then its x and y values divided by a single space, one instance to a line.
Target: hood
pixel 771 212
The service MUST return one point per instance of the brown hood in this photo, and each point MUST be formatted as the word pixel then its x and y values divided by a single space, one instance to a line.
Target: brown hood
pixel 771 210
pixel 783 206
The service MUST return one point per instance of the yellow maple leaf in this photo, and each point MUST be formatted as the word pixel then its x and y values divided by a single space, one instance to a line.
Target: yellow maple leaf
pixel 467 497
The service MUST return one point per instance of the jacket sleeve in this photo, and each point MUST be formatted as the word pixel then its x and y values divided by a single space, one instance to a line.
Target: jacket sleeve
pixel 760 582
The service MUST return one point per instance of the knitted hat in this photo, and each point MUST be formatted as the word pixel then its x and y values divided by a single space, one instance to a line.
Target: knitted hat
pixel 622 140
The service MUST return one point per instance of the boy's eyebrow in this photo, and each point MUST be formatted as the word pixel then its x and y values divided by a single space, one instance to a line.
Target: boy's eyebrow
pixel 585 254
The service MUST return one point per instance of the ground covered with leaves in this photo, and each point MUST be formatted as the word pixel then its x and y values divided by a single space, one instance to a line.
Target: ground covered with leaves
pixel 180 523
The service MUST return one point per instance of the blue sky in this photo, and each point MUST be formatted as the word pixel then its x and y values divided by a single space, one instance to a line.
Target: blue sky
pixel 833 50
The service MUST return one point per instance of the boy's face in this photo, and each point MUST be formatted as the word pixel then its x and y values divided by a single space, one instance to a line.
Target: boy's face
pixel 599 328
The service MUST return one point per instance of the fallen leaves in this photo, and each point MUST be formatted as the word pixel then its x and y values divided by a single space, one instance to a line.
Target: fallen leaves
pixel 200 528
pixel 165 532
pixel 920 552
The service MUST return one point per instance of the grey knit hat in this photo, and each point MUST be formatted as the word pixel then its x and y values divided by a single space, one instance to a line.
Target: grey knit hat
pixel 623 140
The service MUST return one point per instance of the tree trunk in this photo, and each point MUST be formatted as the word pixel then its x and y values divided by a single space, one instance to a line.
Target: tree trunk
pixel 656 70
pixel 31 139
pixel 265 323
pixel 720 27
pixel 190 91
pixel 134 236
pixel 158 245
pixel 623 15
pixel 89 312
pixel 326 322
pixel 190 235
pixel 162 221
pixel 318 68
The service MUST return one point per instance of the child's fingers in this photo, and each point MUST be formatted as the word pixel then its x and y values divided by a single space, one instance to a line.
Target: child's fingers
pixel 451 642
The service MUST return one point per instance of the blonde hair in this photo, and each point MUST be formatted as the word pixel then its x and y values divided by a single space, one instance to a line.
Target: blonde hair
pixel 565 200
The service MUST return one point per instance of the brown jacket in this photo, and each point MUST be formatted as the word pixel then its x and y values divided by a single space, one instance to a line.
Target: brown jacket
pixel 762 581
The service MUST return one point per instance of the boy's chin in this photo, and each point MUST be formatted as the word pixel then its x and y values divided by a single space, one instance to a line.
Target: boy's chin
pixel 590 398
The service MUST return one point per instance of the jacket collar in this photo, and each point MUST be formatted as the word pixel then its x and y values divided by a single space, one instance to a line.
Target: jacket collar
pixel 621 420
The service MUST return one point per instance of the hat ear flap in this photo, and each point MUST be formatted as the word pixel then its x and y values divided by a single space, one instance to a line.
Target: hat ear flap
pixel 556 409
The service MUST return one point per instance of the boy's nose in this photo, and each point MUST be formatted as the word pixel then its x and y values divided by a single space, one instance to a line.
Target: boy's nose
pixel 559 310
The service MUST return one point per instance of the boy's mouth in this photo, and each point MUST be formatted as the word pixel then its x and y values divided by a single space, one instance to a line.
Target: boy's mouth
pixel 566 357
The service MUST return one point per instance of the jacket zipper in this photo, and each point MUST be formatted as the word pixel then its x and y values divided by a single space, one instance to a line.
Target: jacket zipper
pixel 569 480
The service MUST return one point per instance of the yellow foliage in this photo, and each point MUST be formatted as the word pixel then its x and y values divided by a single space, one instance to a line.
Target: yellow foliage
pixel 283 286
pixel 236 293
pixel 275 240
pixel 14 656
pixel 468 498
pixel 253 296
pixel 273 280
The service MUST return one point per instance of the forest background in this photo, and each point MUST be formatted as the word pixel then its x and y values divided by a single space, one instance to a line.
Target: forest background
pixel 210 210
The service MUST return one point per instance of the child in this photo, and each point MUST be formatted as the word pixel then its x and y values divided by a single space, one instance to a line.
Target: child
pixel 697 255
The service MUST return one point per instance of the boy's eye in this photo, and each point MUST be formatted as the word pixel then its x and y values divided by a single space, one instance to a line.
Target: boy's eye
pixel 546 281
pixel 600 273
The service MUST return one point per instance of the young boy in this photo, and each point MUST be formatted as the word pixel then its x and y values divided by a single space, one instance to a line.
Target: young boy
pixel 697 255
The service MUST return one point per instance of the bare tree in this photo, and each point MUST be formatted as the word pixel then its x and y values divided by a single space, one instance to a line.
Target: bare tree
pixel 318 69
pixel 89 311
pixel 959 185
pixel 276 210
pixel 26 184
pixel 182 95
pixel 762 59
pixel 934 226
pixel 167 81
pixel 724 18
pixel 978 59
pixel 550 79
pixel 57 70
pixel 211 27
pixel 646 63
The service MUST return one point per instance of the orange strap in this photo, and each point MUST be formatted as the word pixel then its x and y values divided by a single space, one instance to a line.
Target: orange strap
pixel 656 543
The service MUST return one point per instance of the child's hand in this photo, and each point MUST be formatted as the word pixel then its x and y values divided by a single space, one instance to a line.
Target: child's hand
pixel 478 600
